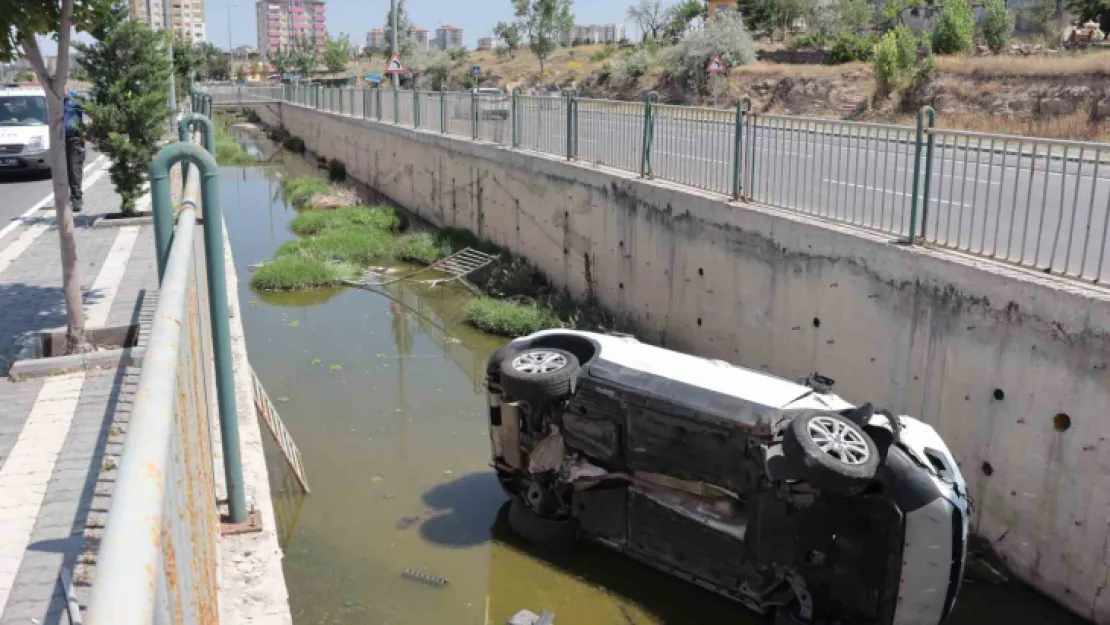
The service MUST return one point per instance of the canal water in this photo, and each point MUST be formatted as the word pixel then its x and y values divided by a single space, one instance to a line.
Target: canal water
pixel 383 394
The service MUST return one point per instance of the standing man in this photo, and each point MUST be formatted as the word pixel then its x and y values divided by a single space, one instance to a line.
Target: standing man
pixel 75 147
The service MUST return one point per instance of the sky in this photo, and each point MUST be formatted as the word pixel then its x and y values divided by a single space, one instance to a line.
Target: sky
pixel 356 17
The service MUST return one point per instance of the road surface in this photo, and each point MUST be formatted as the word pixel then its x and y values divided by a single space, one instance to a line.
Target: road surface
pixel 20 191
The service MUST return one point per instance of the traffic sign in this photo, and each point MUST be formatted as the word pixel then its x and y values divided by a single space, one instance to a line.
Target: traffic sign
pixel 475 70
pixel 716 65
pixel 372 77
pixel 395 66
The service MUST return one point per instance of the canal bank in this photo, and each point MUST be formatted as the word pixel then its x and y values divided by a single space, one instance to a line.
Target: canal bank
pixel 383 393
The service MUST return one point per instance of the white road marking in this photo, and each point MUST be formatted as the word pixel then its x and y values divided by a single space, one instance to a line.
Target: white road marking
pixel 18 221
pixel 20 245
pixel 898 193
pixel 111 274
pixel 26 473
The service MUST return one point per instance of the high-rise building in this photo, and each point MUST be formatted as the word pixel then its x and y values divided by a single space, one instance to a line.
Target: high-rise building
pixel 186 16
pixel 449 37
pixel 419 35
pixel 605 33
pixel 281 23
pixel 375 39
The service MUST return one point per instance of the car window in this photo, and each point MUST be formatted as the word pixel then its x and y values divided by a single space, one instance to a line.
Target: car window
pixel 22 110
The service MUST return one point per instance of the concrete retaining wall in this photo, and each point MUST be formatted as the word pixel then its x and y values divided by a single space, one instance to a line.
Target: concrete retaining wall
pixel 1010 366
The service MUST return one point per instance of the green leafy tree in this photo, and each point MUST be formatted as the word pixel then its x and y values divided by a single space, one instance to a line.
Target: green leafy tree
pixel 681 15
pixel 129 71
pixel 1039 17
pixel 241 73
pixel 282 61
pixel 542 21
pixel 212 63
pixel 304 56
pixel 186 61
pixel 954 32
pixel 895 59
pixel 21 22
pixel 853 16
pixel 998 25
pixel 404 28
pixel 774 16
pixel 336 52
pixel 1092 11
pixel 25 76
pixel 725 36
pixel 509 34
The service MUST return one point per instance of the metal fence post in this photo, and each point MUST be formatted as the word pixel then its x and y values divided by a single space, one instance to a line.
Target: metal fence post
pixel 931 113
pixel 474 114
pixel 208 135
pixel 571 98
pixel 743 105
pixel 378 102
pixel 515 112
pixel 443 111
pixel 415 107
pixel 915 198
pixel 166 158
pixel 650 99
pixel 397 107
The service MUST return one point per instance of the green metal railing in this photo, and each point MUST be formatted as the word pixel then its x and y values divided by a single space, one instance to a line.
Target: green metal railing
pixel 1034 202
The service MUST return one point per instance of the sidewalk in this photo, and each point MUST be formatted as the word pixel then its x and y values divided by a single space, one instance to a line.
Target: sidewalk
pixel 57 432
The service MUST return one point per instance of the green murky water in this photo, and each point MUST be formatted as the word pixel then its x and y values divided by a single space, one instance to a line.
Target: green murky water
pixel 383 395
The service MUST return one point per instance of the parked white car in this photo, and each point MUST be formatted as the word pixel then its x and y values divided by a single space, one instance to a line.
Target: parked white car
pixel 779 495
pixel 24 134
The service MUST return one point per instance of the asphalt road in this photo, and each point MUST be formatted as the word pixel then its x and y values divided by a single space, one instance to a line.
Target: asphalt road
pixel 1033 202
pixel 19 191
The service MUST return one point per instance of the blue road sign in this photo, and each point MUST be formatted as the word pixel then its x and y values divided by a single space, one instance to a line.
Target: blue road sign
pixel 475 70
pixel 372 77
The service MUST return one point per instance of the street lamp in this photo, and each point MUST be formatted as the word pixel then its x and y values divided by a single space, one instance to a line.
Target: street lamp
pixel 230 50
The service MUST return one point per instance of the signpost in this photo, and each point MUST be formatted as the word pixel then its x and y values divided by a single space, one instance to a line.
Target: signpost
pixel 715 68
pixel 475 72
pixel 394 65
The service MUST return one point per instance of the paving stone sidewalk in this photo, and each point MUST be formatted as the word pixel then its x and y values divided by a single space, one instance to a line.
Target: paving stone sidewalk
pixel 55 433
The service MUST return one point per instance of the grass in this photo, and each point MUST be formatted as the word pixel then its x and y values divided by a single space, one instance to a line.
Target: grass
pixel 376 217
pixel 508 318
pixel 361 246
pixel 228 150
pixel 1090 63
pixel 419 247
pixel 288 273
pixel 300 191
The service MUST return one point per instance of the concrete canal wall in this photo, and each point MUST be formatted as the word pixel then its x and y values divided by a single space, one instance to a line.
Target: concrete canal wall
pixel 1010 366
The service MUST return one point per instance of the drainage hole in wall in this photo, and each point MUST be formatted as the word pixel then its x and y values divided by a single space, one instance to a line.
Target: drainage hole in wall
pixel 988 470
pixel 998 394
pixel 816 322
pixel 699 322
pixel 1061 422
pixel 701 272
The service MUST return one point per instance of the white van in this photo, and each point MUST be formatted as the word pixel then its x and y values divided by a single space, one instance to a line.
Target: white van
pixel 24 134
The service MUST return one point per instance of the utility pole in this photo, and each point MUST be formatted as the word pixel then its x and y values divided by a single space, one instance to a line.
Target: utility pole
pixel 393 38
pixel 229 49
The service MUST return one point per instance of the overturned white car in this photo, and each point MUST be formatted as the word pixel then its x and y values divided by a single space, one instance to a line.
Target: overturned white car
pixel 779 495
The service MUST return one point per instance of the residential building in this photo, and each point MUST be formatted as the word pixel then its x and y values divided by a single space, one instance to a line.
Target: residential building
pixel 420 35
pixel 281 23
pixel 593 33
pixel 488 43
pixel 716 8
pixel 186 16
pixel 375 39
pixel 449 37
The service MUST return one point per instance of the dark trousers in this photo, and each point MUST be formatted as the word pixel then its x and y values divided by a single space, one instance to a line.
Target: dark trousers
pixel 75 159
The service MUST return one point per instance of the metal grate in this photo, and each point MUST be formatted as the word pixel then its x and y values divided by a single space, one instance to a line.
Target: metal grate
pixel 457 266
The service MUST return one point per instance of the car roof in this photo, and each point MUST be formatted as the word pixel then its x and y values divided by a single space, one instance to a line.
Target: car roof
pixel 22 91
pixel 717 376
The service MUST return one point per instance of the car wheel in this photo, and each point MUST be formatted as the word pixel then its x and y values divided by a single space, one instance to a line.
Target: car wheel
pixel 831 452
pixel 552 533
pixel 538 374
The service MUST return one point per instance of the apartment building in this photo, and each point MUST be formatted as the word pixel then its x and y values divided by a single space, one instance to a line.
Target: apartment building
pixel 593 33
pixel 186 16
pixel 449 37
pixel 420 35
pixel 281 23
pixel 375 39
pixel 488 43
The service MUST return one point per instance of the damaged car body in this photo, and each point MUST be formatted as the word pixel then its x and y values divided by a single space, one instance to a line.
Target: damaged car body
pixel 779 495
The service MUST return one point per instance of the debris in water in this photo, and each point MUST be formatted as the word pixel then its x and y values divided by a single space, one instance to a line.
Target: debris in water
pixel 425 578
pixel 447 472
pixel 528 617
pixel 282 399
pixel 254 303
pixel 453 340
pixel 316 361
pixel 336 367
pixel 380 355
pixel 294 323
pixel 407 522
pixel 376 479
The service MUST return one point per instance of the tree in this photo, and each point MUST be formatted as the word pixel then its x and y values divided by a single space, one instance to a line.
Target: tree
pixel 680 16
pixel 25 76
pixel 241 73
pixel 954 32
pixel 542 21
pixel 998 24
pixel 304 56
pixel 650 16
pixel 725 36
pixel 509 34
pixel 1038 18
pixel 185 63
pixel 1092 11
pixel 853 16
pixel 337 52
pixel 212 63
pixel 20 23
pixel 129 71
pixel 404 27
pixel 282 61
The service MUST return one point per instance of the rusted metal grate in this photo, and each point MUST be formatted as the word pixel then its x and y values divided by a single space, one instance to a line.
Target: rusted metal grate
pixel 456 266
pixel 269 414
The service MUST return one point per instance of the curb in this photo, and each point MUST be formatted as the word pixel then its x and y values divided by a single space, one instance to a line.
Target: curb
pixel 108 359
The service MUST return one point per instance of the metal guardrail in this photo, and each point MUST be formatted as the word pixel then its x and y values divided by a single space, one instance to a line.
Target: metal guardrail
pixel 158 560
pixel 1033 202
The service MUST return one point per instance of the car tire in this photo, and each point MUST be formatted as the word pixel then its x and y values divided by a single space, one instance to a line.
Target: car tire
pixel 550 533
pixel 831 452
pixel 538 374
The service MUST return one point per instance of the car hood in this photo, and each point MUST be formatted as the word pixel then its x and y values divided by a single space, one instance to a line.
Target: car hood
pixel 23 134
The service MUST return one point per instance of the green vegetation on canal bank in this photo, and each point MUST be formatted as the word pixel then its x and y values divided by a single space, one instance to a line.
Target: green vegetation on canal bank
pixel 335 245
pixel 228 150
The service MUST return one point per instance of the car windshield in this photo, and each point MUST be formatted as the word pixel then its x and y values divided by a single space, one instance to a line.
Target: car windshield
pixel 22 110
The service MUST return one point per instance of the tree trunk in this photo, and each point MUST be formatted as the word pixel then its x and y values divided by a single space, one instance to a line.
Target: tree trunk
pixel 55 91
